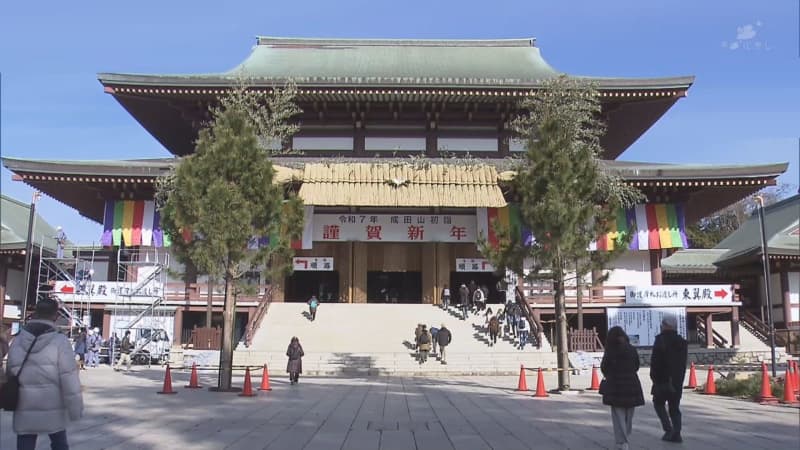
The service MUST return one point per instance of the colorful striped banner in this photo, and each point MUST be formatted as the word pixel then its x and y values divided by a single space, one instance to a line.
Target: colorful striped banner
pixel 508 217
pixel 654 226
pixel 129 223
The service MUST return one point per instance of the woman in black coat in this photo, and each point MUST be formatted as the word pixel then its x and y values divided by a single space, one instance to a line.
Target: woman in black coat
pixel 621 388
pixel 295 364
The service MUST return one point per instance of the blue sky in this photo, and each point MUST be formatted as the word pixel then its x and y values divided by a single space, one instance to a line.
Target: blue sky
pixel 743 108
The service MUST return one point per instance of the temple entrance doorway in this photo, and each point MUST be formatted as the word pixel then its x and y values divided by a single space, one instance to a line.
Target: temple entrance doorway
pixel 394 287
pixel 301 285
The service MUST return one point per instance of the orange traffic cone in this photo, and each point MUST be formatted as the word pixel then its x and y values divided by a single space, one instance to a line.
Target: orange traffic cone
pixel 193 383
pixel 788 389
pixel 692 378
pixel 796 377
pixel 522 385
pixel 711 386
pixel 595 380
pixel 167 389
pixel 766 387
pixel 540 392
pixel 265 380
pixel 248 385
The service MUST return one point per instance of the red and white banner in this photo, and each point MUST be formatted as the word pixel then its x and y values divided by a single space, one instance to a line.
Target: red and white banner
pixel 473 265
pixel 312 263
pixel 394 228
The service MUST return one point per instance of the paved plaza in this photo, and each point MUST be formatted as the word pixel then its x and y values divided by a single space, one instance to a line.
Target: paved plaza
pixel 123 411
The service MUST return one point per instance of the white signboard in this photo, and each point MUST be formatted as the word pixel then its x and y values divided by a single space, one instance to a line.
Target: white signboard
pixel 679 294
pixel 108 291
pixel 642 325
pixel 473 265
pixel 394 228
pixel 312 263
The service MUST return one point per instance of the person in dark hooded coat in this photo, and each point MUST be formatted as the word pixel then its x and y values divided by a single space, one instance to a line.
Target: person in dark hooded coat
pixel 295 365
pixel 621 388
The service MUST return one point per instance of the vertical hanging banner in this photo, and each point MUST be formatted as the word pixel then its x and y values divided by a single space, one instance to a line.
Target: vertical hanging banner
pixel 652 226
pixel 129 223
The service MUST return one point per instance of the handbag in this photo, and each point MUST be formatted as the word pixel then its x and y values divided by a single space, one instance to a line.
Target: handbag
pixel 603 385
pixel 9 393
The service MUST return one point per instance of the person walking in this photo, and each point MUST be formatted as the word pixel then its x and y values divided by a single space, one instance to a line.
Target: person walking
pixel 479 300
pixel 80 349
pixel 93 342
pixel 463 292
pixel 512 311
pixel 667 370
pixel 424 344
pixel 434 333
pixel 621 390
pixel 49 386
pixel 522 329
pixel 295 365
pixel 125 348
pixel 446 297
pixel 313 303
pixel 494 330
pixel 443 337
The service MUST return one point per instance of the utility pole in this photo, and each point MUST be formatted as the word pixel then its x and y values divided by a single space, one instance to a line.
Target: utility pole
pixel 29 252
pixel 765 267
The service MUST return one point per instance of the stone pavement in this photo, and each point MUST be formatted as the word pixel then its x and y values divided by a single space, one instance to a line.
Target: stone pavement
pixel 123 411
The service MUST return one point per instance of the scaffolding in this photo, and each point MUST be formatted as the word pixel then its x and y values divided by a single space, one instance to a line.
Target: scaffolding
pixel 139 303
pixel 69 281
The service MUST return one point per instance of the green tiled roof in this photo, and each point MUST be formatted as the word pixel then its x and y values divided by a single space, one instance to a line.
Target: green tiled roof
pixel 14 233
pixel 780 220
pixel 390 62
pixel 692 261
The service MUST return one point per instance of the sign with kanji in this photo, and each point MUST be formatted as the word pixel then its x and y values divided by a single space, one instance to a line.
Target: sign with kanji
pixel 394 228
pixel 312 263
pixel 642 325
pixel 473 265
pixel 107 291
pixel 679 294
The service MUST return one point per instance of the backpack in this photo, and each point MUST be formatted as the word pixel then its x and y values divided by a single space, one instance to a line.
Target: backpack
pixel 424 338
pixel 522 324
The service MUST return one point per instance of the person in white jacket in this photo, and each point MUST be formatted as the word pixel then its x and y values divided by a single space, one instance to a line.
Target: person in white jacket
pixel 50 390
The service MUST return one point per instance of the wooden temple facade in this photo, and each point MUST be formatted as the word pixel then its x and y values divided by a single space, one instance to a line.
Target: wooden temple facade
pixel 401 157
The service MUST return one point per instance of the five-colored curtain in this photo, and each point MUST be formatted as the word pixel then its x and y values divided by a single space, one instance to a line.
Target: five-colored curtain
pixel 129 223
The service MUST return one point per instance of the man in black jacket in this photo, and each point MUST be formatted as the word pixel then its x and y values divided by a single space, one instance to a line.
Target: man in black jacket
pixel 443 338
pixel 667 370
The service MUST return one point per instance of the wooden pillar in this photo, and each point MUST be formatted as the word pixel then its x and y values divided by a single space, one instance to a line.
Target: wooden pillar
pixel 359 272
pixel 735 327
pixel 443 270
pixel 428 265
pixel 786 298
pixel 709 330
pixel 106 324
pixel 178 327
pixel 596 293
pixel 344 264
pixel 655 267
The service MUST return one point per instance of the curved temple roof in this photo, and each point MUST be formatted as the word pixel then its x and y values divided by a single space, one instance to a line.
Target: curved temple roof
pixel 512 63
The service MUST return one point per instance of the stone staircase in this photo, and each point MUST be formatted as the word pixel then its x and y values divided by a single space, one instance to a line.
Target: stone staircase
pixel 377 339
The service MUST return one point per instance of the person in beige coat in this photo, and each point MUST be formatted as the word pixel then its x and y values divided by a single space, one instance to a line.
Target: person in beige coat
pixel 50 390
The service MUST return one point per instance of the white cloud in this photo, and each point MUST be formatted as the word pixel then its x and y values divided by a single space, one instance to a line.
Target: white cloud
pixel 733 45
pixel 745 32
